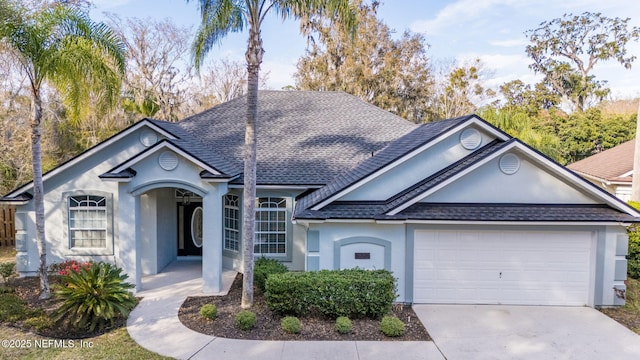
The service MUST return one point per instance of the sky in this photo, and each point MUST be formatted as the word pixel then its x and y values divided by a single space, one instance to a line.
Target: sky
pixel 460 30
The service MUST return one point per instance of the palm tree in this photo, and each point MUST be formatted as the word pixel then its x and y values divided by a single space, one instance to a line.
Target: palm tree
pixel 60 45
pixel 221 17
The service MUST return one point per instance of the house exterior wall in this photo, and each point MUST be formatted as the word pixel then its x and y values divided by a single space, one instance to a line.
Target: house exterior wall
pixel 83 176
pixel 369 237
pixel 530 184
pixel 413 170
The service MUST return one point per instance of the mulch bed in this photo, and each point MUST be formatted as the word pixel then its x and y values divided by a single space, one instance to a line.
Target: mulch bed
pixel 28 290
pixel 268 324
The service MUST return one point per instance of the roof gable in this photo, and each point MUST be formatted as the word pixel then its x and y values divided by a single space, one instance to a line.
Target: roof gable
pixel 487 177
pixel 444 134
pixel 140 126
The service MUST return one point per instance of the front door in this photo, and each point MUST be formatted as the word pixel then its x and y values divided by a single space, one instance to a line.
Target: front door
pixel 190 229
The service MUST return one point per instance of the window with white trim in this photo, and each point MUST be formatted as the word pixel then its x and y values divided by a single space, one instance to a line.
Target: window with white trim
pixel 271 226
pixel 231 223
pixel 87 221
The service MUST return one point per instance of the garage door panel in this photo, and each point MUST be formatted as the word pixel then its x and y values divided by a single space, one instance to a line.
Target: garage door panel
pixel 493 267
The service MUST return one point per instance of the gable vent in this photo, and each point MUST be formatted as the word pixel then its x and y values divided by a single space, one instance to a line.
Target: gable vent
pixel 509 164
pixel 168 160
pixel 470 138
pixel 148 138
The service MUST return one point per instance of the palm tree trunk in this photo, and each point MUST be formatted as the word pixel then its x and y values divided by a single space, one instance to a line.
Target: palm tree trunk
pixel 254 58
pixel 635 182
pixel 38 191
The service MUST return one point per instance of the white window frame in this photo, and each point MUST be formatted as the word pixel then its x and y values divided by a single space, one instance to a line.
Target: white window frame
pixel 271 205
pixel 231 223
pixel 87 221
pixel 88 201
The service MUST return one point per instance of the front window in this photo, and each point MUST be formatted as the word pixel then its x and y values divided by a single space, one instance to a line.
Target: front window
pixel 231 223
pixel 88 221
pixel 271 226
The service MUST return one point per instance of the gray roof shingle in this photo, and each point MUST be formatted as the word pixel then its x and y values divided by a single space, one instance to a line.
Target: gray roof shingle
pixel 475 212
pixel 304 137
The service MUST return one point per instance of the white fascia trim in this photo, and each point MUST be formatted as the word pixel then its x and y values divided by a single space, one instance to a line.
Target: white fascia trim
pixel 516 223
pixel 474 120
pixel 629 173
pixel 279 187
pixel 117 180
pixel 159 146
pixel 451 179
pixel 94 150
pixel 557 169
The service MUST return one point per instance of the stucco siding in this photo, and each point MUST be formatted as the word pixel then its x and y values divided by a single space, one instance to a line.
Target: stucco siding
pixel 415 169
pixel 530 184
pixel 330 235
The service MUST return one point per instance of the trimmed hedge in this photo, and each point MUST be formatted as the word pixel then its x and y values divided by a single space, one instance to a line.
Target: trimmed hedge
pixel 333 293
pixel 265 267
pixel 633 258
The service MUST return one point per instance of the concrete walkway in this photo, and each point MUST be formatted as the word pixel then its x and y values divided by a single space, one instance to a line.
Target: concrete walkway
pixel 154 324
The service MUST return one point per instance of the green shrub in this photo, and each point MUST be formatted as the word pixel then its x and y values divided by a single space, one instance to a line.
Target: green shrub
pixel 7 271
pixel 290 325
pixel 12 308
pixel 246 320
pixel 352 293
pixel 264 267
pixel 6 289
pixel 209 311
pixel 392 326
pixel 93 296
pixel 343 325
pixel 39 323
pixel 633 258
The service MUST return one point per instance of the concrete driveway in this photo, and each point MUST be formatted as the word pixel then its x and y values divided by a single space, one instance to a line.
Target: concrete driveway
pixel 526 332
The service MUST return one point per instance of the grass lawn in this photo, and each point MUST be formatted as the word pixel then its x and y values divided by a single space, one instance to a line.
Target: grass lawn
pixel 629 314
pixel 7 254
pixel 114 345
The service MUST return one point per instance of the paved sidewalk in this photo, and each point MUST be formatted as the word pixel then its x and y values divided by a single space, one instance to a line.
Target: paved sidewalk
pixel 154 324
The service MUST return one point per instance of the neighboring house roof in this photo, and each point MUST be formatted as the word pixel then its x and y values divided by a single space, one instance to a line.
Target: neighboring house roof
pixel 611 165
pixel 304 137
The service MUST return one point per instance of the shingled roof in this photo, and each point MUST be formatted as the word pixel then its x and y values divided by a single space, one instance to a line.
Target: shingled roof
pixel 610 165
pixel 404 145
pixel 304 138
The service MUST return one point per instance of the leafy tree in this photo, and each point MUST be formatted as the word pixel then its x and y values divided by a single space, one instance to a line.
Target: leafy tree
pixel 520 124
pixel 392 74
pixel 157 80
pixel 519 95
pixel 61 45
pixel 219 18
pixel 462 90
pixel 565 51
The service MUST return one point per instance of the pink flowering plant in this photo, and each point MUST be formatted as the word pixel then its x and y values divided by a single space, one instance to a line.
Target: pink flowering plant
pixel 70 266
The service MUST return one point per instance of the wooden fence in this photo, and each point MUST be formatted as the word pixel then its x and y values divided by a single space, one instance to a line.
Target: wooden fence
pixel 7 226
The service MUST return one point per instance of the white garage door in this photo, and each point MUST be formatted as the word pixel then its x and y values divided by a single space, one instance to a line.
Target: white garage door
pixel 502 267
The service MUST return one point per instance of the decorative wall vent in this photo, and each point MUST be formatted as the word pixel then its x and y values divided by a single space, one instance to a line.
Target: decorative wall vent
pixel 470 138
pixel 148 138
pixel 168 160
pixel 509 164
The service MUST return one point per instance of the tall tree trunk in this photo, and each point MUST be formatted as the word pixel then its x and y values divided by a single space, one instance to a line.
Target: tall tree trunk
pixel 635 184
pixel 254 58
pixel 38 191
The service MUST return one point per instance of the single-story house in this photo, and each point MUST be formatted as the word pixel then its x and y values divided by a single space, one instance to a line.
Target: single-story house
pixel 610 169
pixel 458 210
